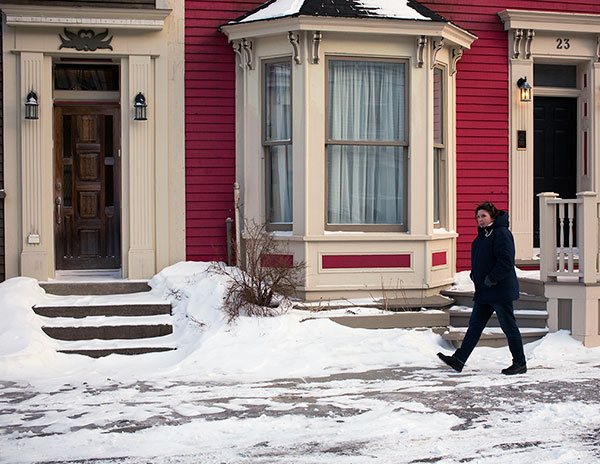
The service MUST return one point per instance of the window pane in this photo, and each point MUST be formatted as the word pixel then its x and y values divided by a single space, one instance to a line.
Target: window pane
pixel 553 75
pixel 67 152
pixel 436 184
pixel 67 185
pixel 366 101
pixel 280 194
pixel 103 77
pixel 365 184
pixel 278 115
pixel 438 106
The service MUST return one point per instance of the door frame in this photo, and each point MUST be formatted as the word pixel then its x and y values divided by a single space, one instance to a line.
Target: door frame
pixel 533 37
pixel 82 107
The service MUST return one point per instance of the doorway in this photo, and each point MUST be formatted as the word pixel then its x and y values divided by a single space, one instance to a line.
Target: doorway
pixel 87 194
pixel 555 151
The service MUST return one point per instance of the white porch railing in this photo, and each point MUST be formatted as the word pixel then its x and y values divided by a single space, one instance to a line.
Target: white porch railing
pixel 573 295
pixel 561 221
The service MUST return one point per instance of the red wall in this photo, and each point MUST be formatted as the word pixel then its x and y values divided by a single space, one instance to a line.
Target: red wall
pixel 482 115
pixel 482 104
pixel 209 126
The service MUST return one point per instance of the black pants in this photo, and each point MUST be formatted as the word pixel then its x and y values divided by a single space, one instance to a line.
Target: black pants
pixel 479 318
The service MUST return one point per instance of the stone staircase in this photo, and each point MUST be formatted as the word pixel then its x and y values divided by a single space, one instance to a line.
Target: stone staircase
pixel 101 318
pixel 530 312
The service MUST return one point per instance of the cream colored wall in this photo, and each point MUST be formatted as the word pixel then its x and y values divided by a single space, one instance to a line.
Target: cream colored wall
pixel 152 154
pixel 544 28
pixel 309 241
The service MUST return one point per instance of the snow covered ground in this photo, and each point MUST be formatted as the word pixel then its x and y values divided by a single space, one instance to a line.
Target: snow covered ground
pixel 286 389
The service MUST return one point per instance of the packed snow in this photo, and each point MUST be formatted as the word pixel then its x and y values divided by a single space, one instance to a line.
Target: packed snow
pixel 378 8
pixel 288 388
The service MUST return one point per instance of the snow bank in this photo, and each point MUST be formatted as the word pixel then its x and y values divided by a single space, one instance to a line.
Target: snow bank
pixel 22 342
pixel 292 344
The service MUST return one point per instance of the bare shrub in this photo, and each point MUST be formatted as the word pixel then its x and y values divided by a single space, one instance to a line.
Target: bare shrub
pixel 268 273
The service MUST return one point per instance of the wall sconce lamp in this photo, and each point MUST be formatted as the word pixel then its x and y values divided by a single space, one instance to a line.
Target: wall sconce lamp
pixel 31 106
pixel 525 89
pixel 139 107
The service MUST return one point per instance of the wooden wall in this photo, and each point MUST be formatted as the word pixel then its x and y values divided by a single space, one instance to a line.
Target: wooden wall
pixel 482 104
pixel 482 114
pixel 209 126
pixel 87 3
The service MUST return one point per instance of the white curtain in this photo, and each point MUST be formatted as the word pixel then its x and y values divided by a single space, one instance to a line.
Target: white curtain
pixel 281 183
pixel 278 128
pixel 366 104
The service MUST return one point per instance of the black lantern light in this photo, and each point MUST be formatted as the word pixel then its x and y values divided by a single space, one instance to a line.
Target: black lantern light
pixel 31 106
pixel 139 107
pixel 525 89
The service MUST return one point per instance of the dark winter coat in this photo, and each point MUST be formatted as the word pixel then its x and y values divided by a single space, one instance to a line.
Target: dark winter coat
pixel 493 257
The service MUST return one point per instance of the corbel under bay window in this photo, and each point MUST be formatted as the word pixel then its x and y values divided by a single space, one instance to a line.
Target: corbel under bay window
pixel 277 142
pixel 367 145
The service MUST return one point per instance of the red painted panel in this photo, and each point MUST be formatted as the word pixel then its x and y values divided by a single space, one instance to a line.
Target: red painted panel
pixel 585 153
pixel 438 258
pixel 277 260
pixel 365 261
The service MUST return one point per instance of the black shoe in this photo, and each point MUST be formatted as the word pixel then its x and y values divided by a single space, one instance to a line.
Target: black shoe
pixel 451 361
pixel 515 369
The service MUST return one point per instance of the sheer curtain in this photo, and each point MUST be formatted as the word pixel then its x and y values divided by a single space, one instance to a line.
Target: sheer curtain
pixel 366 104
pixel 278 128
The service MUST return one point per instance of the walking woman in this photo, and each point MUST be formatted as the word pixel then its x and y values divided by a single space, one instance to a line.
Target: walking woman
pixel 496 287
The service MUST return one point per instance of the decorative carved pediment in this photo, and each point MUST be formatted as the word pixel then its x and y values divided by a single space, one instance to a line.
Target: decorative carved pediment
pixel 85 40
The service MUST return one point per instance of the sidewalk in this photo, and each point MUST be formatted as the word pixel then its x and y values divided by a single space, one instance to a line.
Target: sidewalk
pixel 391 415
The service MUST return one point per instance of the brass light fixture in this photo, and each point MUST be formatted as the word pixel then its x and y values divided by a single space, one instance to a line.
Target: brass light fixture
pixel 524 89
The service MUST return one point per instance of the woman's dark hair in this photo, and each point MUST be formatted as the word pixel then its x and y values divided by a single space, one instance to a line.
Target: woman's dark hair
pixel 489 207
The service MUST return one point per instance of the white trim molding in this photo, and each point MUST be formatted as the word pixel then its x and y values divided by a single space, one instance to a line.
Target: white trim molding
pixel 116 18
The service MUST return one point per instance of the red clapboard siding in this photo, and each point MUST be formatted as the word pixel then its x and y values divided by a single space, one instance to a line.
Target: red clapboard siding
pixel 482 111
pixel 481 114
pixel 210 125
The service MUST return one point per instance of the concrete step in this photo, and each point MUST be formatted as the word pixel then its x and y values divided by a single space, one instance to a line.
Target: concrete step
pixel 100 348
pixel 531 286
pixel 459 317
pixel 95 288
pixel 108 332
pixel 141 319
pixel 396 320
pixel 140 309
pixel 525 301
pixel 492 337
pixel 125 351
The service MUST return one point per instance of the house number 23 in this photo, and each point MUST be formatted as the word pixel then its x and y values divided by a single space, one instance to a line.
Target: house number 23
pixel 563 44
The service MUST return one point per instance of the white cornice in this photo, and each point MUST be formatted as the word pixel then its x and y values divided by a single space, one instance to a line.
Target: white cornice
pixel 550 21
pixel 115 18
pixel 453 34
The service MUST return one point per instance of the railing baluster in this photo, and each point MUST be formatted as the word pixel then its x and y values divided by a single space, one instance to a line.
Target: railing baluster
pixel 561 237
pixel 571 267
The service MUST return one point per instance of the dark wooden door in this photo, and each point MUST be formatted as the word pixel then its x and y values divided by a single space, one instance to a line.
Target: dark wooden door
pixel 555 151
pixel 86 187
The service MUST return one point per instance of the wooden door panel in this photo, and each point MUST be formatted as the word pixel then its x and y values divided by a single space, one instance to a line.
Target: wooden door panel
pixel 89 168
pixel 555 151
pixel 87 229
